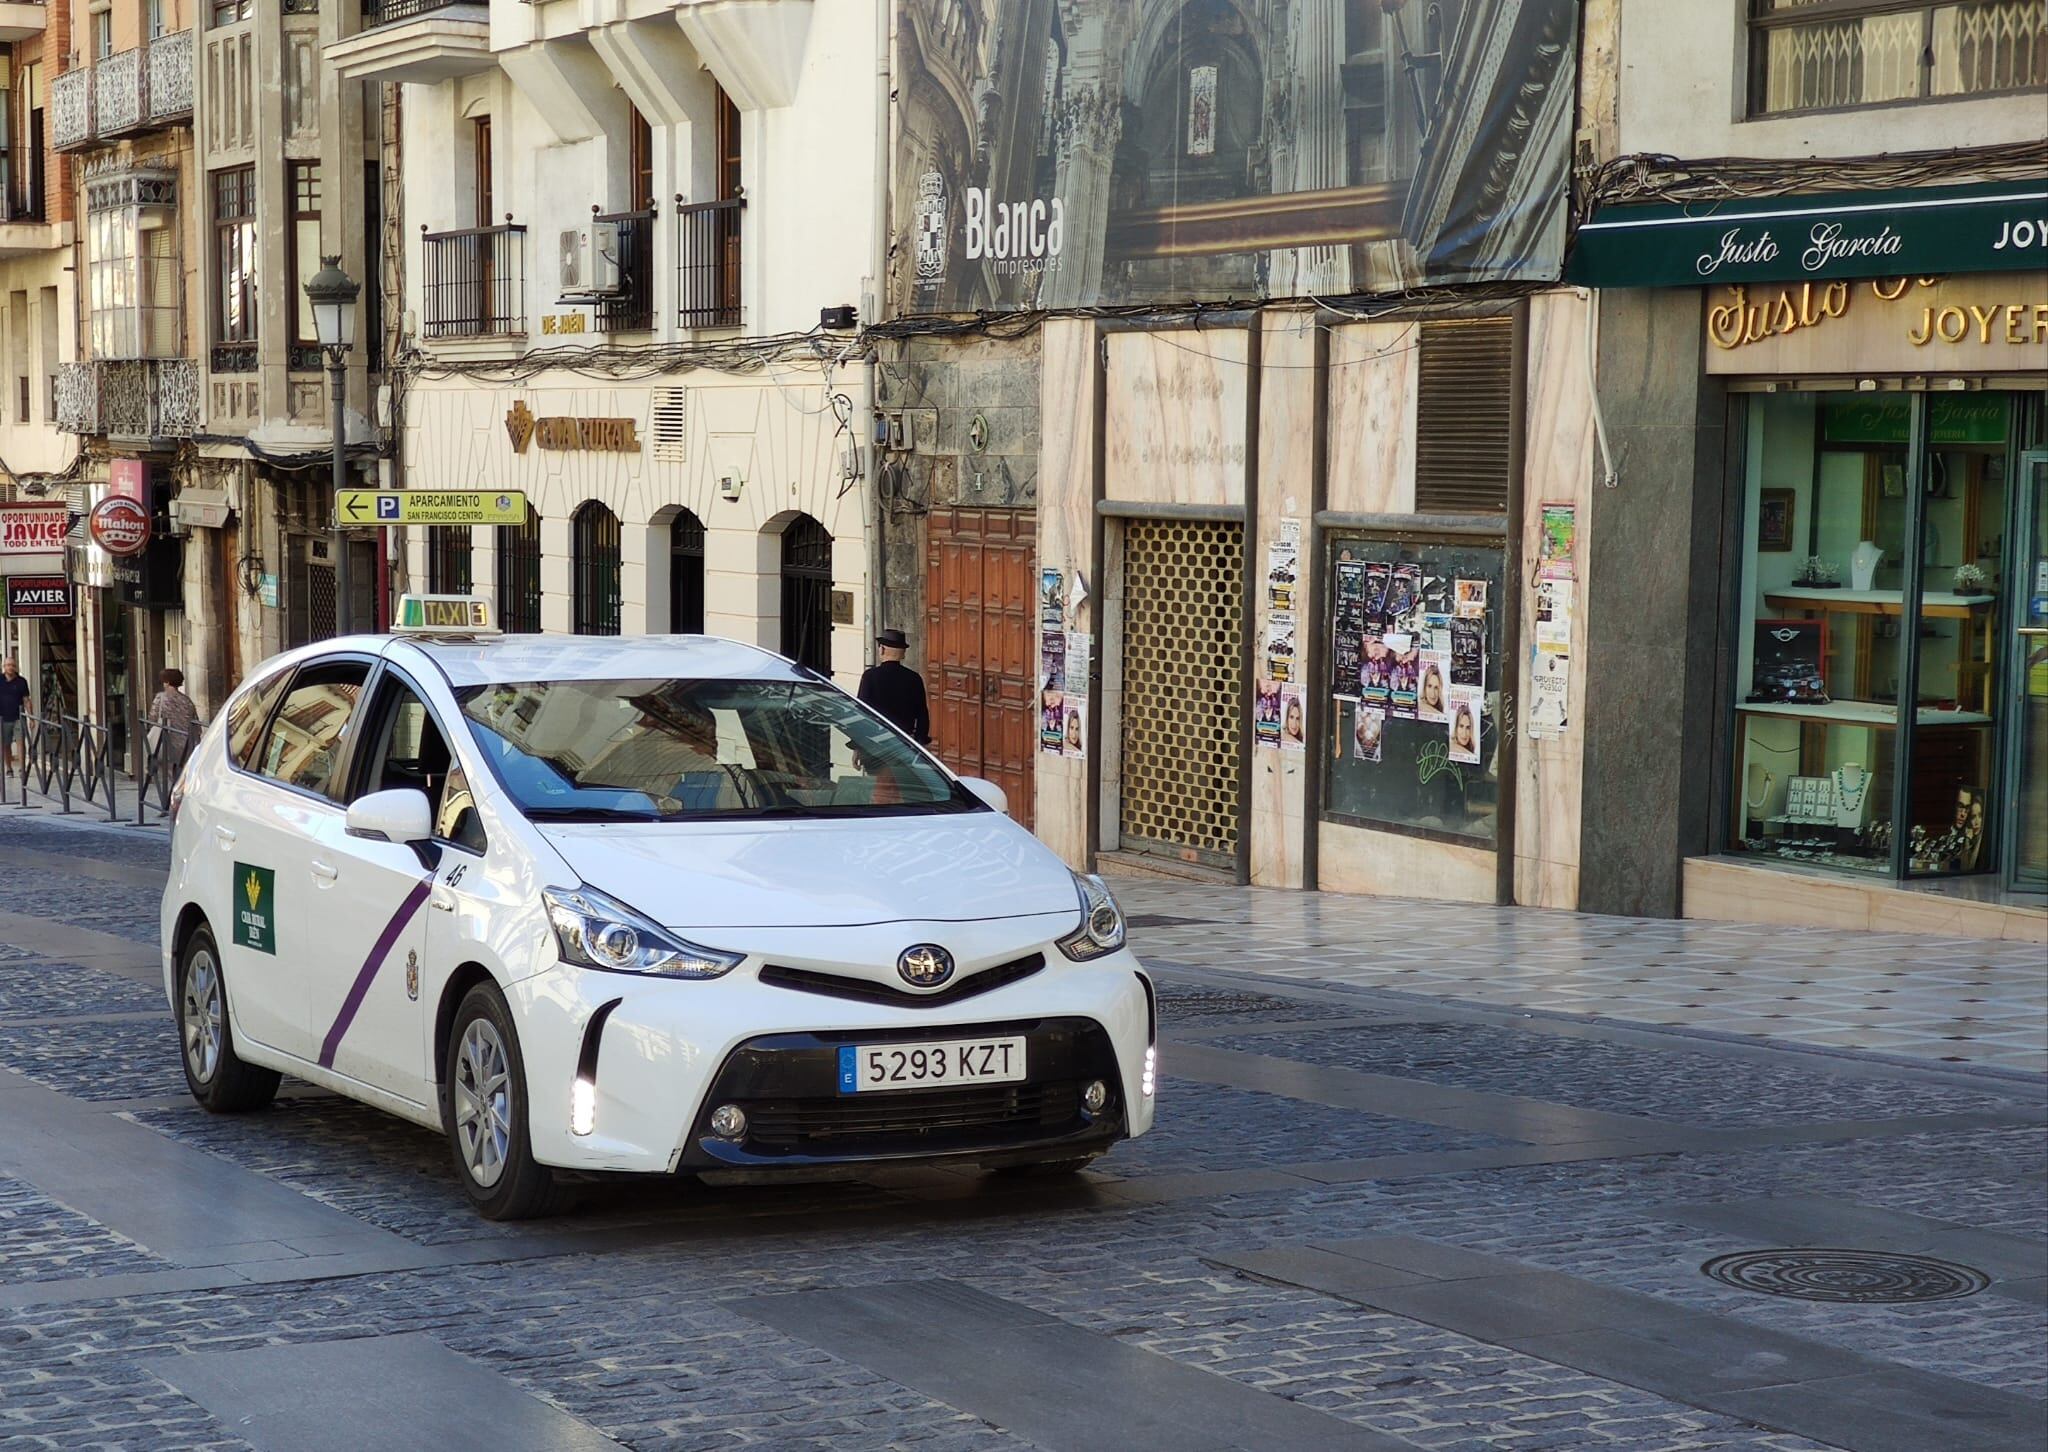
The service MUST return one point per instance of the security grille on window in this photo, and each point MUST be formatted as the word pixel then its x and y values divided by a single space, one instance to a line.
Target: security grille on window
pixel 235 287
pixel 132 282
pixel 519 577
pixel 448 560
pixel 1808 55
pixel 597 560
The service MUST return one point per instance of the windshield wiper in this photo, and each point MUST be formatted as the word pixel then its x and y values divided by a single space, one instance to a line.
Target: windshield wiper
pixel 588 814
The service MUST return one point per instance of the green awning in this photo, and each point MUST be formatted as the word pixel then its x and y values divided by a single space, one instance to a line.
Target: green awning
pixel 1921 232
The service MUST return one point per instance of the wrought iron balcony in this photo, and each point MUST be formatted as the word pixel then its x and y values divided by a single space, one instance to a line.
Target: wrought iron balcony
pixel 631 308
pixel 475 282
pixel 118 87
pixel 141 399
pixel 71 109
pixel 708 263
pixel 390 12
pixel 170 77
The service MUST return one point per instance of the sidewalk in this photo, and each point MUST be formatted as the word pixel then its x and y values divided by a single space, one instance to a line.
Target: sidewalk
pixel 1963 1001
pixel 82 810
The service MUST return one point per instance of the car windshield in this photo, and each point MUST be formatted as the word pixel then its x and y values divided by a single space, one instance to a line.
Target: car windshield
pixel 668 750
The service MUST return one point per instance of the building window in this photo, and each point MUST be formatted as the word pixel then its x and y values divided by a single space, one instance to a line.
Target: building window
pixel 132 272
pixel 519 577
pixel 302 180
pixel 639 161
pixel 102 33
pixel 159 19
pixel 232 12
pixel 597 570
pixel 1813 55
pixel 448 560
pixel 235 288
pixel 686 574
pixel 807 593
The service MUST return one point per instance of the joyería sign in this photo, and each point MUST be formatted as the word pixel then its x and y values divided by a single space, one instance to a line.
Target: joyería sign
pixel 1990 323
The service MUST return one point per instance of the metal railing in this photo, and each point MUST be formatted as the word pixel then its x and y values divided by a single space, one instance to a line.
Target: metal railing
pixel 69 761
pixel 631 309
pixel 475 281
pixel 129 398
pixel 164 752
pixel 390 12
pixel 71 108
pixel 708 263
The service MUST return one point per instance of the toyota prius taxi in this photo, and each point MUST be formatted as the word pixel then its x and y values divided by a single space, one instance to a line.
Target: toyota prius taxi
pixel 665 905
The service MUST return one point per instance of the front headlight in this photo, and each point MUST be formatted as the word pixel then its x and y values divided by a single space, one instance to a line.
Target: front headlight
pixel 1102 922
pixel 596 931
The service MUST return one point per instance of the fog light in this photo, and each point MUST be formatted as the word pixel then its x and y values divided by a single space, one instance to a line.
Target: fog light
pixel 1151 1071
pixel 729 1121
pixel 1095 1096
pixel 582 1106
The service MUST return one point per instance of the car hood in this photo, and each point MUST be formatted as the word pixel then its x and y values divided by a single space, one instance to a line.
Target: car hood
pixel 822 873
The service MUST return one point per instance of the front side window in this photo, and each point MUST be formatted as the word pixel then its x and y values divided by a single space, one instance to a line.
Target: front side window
pixel 248 716
pixel 1810 55
pixel 234 280
pixel 303 748
pixel 677 750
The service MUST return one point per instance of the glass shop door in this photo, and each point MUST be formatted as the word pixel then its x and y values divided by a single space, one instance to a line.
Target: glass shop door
pixel 2027 823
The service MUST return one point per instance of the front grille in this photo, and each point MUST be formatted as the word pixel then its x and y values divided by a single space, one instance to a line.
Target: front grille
pixel 797 1126
pixel 863 990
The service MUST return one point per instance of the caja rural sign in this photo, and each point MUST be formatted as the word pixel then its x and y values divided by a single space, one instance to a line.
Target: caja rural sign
pixel 119 525
pixel 39 597
pixel 34 529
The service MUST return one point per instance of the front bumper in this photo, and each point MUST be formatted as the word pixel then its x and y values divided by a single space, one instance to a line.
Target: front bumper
pixel 669 1050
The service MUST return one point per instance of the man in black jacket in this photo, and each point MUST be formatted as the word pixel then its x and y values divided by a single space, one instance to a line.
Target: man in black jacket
pixel 895 690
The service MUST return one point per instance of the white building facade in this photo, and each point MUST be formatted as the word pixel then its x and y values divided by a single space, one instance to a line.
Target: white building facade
pixel 620 223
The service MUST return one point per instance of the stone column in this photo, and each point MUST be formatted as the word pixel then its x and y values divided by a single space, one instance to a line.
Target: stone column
pixel 1316 63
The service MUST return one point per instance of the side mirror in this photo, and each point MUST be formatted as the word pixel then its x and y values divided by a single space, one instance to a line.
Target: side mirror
pixel 400 815
pixel 989 792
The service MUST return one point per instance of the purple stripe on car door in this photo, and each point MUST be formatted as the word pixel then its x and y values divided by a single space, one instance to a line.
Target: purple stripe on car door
pixel 371 964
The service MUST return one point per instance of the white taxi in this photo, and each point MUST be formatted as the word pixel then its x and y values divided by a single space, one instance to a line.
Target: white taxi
pixel 662 904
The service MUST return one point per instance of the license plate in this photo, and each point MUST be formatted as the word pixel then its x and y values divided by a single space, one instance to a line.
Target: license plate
pixel 866 1067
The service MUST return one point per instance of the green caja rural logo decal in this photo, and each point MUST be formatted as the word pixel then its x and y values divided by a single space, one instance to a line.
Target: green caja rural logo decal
pixel 256 908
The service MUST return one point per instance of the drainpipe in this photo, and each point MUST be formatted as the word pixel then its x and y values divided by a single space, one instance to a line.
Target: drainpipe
pixel 878 255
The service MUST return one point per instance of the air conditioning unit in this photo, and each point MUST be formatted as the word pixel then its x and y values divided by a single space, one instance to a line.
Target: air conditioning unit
pixel 590 260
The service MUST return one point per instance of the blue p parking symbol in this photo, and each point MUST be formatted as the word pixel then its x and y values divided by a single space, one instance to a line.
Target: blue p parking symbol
pixel 387 508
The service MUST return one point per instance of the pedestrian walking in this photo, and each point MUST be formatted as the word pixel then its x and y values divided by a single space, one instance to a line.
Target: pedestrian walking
pixel 895 690
pixel 171 711
pixel 13 704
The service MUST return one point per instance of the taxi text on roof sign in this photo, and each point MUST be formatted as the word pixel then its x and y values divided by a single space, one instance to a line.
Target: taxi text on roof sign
pixel 443 614
pixel 377 507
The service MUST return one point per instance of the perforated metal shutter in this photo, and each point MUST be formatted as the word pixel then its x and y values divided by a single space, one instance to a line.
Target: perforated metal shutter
pixel 1465 423
pixel 1183 688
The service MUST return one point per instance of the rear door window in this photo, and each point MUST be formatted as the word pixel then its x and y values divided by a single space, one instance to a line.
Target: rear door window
pixel 303 748
pixel 249 714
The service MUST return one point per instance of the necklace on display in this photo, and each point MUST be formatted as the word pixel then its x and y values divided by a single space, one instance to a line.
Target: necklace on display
pixel 1849 798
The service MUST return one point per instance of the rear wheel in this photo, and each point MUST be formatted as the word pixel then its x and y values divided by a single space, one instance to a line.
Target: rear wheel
pixel 483 1112
pixel 216 1075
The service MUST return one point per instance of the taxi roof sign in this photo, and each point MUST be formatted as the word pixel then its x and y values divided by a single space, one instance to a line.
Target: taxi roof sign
pixel 444 615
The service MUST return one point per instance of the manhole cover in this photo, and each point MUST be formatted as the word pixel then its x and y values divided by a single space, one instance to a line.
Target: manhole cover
pixel 1861 1277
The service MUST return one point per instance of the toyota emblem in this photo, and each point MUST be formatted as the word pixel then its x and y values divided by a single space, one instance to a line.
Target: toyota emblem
pixel 925 966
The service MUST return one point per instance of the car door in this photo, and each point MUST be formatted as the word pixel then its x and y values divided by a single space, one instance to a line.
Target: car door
pixel 288 922
pixel 262 993
pixel 365 1005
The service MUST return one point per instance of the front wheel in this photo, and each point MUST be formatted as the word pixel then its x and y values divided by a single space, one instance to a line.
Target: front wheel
pixel 483 1112
pixel 214 1072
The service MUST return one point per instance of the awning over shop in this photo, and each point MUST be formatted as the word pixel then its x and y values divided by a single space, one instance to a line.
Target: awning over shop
pixel 1920 232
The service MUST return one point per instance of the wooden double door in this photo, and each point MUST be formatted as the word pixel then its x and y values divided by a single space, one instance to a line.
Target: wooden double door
pixel 981 670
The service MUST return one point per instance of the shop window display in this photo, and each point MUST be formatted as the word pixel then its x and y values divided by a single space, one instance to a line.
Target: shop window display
pixel 1867 692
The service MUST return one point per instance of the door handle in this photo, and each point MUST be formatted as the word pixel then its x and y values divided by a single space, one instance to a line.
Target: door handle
pixel 325 872
pixel 442 901
pixel 224 835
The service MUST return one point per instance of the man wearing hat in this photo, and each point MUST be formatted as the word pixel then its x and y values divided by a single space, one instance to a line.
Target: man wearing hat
pixel 895 690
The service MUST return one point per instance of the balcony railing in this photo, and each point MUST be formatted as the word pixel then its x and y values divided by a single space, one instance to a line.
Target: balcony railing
pixel 140 398
pixel 118 83
pixel 71 109
pixel 708 263
pixel 475 282
pixel 170 76
pixel 390 12
pixel 631 308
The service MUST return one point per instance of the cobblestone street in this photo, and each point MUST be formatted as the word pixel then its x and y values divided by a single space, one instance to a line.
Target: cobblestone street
pixel 1389 1204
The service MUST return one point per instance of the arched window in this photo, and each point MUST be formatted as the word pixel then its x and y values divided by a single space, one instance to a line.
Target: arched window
pixel 807 593
pixel 519 577
pixel 448 559
pixel 686 574
pixel 596 556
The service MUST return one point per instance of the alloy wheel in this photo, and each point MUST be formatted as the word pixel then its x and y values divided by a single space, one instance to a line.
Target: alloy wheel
pixel 483 1102
pixel 201 1016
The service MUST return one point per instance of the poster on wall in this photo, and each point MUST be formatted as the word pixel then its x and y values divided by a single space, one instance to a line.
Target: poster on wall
pixel 1052 721
pixel 1468 653
pixel 1347 627
pixel 1405 675
pixel 1052 668
pixel 1554 614
pixel 1102 152
pixel 1280 648
pixel 1369 735
pixel 1467 705
pixel 1293 719
pixel 1074 676
pixel 1433 679
pixel 1283 566
pixel 1074 735
pixel 1052 599
pixel 1557 554
pixel 1550 674
pixel 1266 715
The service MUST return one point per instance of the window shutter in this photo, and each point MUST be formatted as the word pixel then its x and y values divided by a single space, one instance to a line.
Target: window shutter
pixel 668 420
pixel 1465 422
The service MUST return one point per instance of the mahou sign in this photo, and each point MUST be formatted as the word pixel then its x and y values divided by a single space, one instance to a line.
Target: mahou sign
pixel 33 529
pixel 119 525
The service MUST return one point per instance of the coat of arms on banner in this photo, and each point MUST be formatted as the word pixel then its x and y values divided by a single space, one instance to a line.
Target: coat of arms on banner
pixel 519 424
pixel 931 227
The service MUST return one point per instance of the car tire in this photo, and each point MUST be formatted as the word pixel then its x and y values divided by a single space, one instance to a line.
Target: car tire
pixel 483 1112
pixel 217 1076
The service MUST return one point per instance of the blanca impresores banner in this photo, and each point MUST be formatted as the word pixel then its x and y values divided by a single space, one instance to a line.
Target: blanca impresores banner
pixel 1067 153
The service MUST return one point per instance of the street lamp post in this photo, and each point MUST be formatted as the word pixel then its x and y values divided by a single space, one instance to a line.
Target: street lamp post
pixel 332 294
